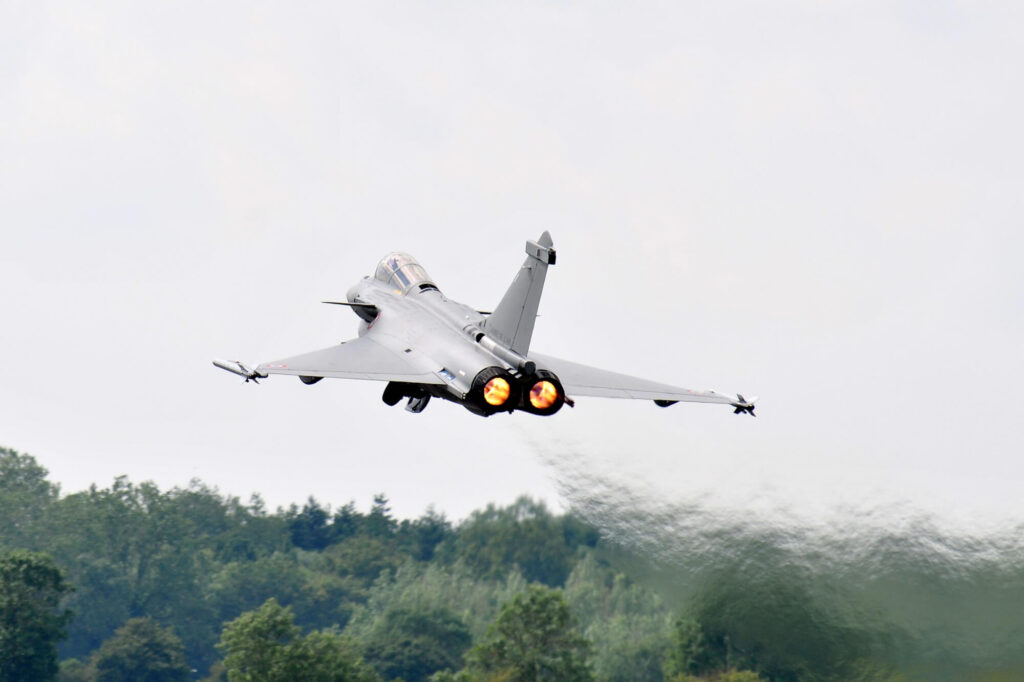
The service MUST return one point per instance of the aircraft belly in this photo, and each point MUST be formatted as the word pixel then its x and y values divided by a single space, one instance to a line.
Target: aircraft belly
pixel 421 336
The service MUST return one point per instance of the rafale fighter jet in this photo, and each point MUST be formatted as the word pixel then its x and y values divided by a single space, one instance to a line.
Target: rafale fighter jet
pixel 426 345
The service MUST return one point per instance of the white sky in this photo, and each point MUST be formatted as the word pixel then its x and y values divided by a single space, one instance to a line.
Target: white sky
pixel 815 202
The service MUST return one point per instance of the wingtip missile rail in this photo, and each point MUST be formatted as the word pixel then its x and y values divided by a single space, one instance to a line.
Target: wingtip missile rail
pixel 744 406
pixel 241 369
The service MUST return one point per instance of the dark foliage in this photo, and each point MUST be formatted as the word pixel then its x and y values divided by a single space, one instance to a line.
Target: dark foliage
pixel 141 651
pixel 534 639
pixel 192 559
pixel 31 620
pixel 265 645
pixel 309 528
pixel 413 644
pixel 525 535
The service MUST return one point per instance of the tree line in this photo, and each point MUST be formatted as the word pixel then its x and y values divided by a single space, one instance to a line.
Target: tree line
pixel 129 582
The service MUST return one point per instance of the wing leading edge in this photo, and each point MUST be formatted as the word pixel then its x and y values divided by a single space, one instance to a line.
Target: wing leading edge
pixel 360 358
pixel 581 380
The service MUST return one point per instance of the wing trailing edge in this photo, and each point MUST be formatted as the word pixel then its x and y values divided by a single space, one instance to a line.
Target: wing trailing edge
pixel 581 380
pixel 360 358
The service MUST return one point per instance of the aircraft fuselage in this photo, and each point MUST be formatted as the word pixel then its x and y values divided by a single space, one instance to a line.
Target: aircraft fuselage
pixel 445 337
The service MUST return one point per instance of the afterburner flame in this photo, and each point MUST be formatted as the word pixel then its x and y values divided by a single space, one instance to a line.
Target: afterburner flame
pixel 543 395
pixel 496 391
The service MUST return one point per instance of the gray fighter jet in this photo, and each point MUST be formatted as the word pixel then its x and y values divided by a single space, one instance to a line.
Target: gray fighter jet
pixel 426 345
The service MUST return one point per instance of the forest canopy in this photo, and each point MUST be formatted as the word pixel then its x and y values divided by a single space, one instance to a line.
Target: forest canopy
pixel 189 583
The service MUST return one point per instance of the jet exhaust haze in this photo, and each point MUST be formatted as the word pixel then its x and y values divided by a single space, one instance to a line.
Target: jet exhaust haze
pixel 885 582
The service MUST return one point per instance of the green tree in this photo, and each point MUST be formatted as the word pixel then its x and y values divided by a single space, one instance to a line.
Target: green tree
pixel 31 622
pixel 422 536
pixel 74 670
pixel 690 652
pixel 135 551
pixel 627 624
pixel 141 651
pixel 534 639
pixel 773 624
pixel 433 587
pixel 411 644
pixel 449 676
pixel 25 497
pixel 379 522
pixel 241 586
pixel 739 676
pixel 363 557
pixel 318 597
pixel 727 676
pixel 525 534
pixel 346 522
pixel 309 528
pixel 265 646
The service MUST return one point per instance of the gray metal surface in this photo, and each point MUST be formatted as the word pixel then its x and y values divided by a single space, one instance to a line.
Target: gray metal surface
pixel 360 358
pixel 581 380
pixel 425 344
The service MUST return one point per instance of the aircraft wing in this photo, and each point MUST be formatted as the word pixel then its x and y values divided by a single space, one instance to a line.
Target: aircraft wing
pixel 582 380
pixel 360 358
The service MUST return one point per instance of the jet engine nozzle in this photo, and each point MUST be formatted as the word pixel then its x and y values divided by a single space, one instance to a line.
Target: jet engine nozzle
pixel 493 390
pixel 542 393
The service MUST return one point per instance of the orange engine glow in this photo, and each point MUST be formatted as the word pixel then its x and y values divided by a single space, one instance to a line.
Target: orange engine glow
pixel 496 391
pixel 543 395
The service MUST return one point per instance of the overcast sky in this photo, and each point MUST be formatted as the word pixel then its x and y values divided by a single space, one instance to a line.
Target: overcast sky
pixel 815 202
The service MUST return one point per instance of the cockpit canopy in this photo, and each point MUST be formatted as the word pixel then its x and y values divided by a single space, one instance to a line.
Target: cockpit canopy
pixel 401 271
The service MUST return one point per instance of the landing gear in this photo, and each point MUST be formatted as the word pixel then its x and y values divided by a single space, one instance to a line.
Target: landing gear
pixel 417 395
pixel 417 403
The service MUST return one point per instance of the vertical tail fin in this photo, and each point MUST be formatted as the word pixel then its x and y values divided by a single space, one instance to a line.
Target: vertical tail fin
pixel 511 323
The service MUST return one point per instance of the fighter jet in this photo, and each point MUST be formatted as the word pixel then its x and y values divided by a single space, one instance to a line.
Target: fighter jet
pixel 426 345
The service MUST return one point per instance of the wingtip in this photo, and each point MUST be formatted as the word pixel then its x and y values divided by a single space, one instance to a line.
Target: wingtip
pixel 241 369
pixel 743 405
